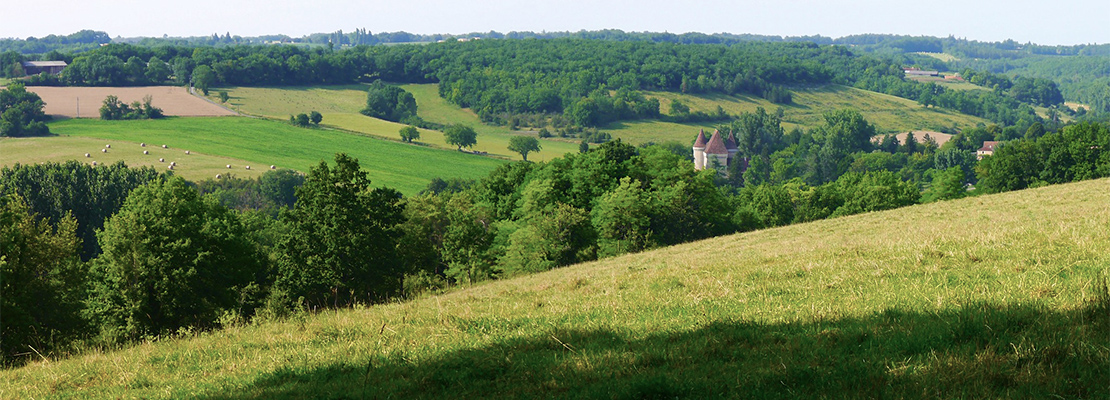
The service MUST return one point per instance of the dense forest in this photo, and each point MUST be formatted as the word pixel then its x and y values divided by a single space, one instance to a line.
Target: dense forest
pixel 590 82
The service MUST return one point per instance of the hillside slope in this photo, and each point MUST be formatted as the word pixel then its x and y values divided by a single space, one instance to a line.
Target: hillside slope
pixel 992 296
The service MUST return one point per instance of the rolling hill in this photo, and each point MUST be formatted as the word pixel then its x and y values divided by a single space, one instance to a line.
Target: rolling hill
pixel 340 105
pixel 1000 296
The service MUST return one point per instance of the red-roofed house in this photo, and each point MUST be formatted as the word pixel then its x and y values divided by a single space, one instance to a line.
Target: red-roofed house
pixel 988 149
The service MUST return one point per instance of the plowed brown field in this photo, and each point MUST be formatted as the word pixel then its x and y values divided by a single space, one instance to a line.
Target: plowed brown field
pixel 173 100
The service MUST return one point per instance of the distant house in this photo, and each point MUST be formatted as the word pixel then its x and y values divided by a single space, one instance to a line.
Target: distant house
pixel 38 67
pixel 919 72
pixel 987 149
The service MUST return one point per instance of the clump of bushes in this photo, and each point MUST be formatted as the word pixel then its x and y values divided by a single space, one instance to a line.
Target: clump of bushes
pixel 114 109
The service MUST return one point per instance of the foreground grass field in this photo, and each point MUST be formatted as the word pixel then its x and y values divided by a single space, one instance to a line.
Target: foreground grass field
pixel 1000 296
pixel 340 107
pixel 262 143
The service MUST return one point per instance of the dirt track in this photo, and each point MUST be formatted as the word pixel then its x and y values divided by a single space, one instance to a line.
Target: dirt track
pixel 173 100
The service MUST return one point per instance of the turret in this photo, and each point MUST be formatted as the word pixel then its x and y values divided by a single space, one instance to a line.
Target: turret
pixel 699 151
pixel 731 146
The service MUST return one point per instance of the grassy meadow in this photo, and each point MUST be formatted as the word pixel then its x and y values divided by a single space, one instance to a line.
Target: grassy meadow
pixel 195 166
pixel 261 143
pixel 1000 296
pixel 889 114
pixel 340 107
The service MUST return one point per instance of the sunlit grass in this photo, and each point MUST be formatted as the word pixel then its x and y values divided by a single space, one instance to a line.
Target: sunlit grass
pixel 997 296
pixel 406 167
pixel 340 106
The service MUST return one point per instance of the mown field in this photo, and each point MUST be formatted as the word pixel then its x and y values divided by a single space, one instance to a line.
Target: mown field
pixel 261 143
pixel 340 107
pixel 1000 296
pixel 85 102
pixel 195 166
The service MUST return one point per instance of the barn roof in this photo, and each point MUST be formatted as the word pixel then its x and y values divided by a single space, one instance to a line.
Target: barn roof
pixel 42 64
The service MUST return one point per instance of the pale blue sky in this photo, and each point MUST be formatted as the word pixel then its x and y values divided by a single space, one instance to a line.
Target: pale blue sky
pixel 1044 22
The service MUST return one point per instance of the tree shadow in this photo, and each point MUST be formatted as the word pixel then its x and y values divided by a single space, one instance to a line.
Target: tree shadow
pixel 979 351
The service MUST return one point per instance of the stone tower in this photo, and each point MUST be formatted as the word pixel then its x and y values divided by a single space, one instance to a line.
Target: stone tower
pixel 699 151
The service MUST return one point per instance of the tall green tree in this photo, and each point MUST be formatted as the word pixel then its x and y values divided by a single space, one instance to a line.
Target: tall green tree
pixel 460 135
pixel 341 246
pixel 622 218
pixel 172 259
pixel 409 133
pixel 203 77
pixel 21 113
pixel 523 145
pixel 41 279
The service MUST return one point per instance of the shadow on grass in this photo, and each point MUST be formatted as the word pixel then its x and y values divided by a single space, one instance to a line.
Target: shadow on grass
pixel 981 351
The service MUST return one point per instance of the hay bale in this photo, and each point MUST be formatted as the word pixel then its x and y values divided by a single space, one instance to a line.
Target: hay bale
pixel 146 152
pixel 248 167
pixel 229 166
pixel 103 150
pixel 172 163
pixel 273 167
pixel 107 146
pixel 217 176
pixel 161 160
pixel 142 144
pixel 94 163
pixel 87 155
pixel 186 151
pixel 170 166
pixel 164 147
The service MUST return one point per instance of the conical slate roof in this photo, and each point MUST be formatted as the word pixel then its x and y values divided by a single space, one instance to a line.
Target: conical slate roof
pixel 701 139
pixel 731 142
pixel 716 145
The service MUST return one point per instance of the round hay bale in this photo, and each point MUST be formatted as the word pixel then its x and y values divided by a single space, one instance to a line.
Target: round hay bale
pixel 87 155
pixel 164 147
pixel 161 160
pixel 229 166
pixel 186 151
pixel 273 167
pixel 142 144
pixel 170 166
pixel 172 163
pixel 146 152
pixel 107 146
pixel 103 150
pixel 248 167
pixel 217 176
pixel 94 163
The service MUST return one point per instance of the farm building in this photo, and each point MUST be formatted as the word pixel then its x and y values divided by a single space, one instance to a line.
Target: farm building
pixel 988 149
pixel 919 72
pixel 716 152
pixel 38 67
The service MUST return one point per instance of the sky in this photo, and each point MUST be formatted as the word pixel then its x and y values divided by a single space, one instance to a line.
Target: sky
pixel 1037 21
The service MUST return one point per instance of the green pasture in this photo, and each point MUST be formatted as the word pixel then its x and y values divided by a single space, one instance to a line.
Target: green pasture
pixel 340 107
pixel 1000 296
pixel 889 114
pixel 261 143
